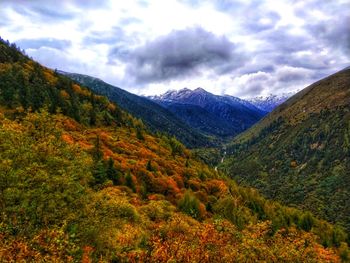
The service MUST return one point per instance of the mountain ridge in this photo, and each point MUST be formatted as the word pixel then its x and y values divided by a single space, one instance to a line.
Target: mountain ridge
pixel 232 114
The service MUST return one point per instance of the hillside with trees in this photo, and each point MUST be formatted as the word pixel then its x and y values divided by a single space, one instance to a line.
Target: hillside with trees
pixel 156 117
pixel 299 154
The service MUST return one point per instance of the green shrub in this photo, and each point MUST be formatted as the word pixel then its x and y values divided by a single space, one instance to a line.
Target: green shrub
pixel 190 205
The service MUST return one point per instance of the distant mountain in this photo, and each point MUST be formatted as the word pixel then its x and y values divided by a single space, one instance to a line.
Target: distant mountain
pixel 270 102
pixel 300 152
pixel 220 116
pixel 156 117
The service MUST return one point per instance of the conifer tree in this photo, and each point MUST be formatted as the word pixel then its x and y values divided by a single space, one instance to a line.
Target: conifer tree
pixel 112 172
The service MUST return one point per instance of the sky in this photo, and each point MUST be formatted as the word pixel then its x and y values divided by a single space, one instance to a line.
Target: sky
pixel 244 48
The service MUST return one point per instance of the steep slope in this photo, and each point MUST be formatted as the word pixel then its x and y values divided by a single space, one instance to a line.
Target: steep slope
pixel 26 85
pixel 77 191
pixel 220 116
pixel 299 154
pixel 153 115
pixel 270 102
pixel 200 118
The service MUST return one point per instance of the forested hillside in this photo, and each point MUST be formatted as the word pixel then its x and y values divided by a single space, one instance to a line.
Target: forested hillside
pixel 299 154
pixel 157 118
pixel 83 181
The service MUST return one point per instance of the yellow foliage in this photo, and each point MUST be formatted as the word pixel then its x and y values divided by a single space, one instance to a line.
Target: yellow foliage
pixel 64 94
pixel 51 79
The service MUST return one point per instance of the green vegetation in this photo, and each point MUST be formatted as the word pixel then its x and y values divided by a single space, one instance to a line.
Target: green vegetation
pixel 189 204
pixel 302 156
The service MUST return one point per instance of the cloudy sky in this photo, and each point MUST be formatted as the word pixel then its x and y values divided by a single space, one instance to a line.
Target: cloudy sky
pixel 244 48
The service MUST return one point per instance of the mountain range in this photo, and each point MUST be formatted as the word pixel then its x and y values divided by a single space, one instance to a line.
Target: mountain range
pixel 196 117
pixel 220 116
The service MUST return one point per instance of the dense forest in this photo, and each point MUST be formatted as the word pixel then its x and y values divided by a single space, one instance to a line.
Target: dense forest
pixel 83 181
pixel 300 154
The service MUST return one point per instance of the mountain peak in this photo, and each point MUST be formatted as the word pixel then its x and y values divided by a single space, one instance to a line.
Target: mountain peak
pixel 182 95
pixel 201 90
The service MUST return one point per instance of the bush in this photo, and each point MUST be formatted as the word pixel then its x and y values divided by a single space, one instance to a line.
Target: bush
pixel 229 209
pixel 189 204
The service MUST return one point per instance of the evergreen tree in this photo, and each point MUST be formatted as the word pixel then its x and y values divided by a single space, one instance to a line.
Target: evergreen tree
pixel 129 182
pixel 149 166
pixel 112 173
pixel 306 221
pixel 93 116
pixel 100 173
pixel 96 151
pixel 139 133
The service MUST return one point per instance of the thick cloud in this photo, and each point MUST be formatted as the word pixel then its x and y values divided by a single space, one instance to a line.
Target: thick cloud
pixel 181 53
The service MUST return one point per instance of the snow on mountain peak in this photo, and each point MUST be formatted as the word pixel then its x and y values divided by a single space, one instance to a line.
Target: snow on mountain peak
pixel 268 103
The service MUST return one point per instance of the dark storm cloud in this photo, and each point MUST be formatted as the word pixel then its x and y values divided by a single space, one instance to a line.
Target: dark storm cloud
pixel 179 54
pixel 44 42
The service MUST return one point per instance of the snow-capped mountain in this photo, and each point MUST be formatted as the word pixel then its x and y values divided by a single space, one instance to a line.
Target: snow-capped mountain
pixel 268 103
pixel 200 97
pixel 223 116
